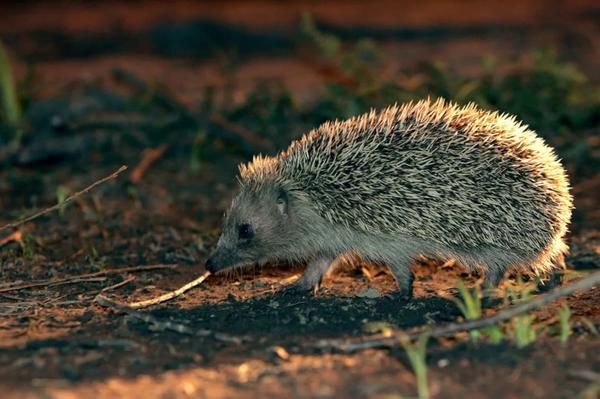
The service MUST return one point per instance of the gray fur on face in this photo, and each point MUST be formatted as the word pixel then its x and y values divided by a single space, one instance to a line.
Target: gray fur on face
pixel 265 215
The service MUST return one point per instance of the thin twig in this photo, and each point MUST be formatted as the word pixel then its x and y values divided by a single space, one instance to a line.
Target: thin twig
pixel 65 202
pixel 588 375
pixel 75 279
pixel 16 236
pixel 149 156
pixel 161 325
pixel 118 285
pixel 169 295
pixel 451 328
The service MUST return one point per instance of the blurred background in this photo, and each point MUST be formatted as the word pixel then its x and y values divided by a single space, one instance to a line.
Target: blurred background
pixel 96 82
pixel 182 92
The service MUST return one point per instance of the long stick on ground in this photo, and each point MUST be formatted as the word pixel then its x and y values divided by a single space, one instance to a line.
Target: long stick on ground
pixel 162 325
pixel 131 310
pixel 65 202
pixel 169 295
pixel 75 279
pixel 585 283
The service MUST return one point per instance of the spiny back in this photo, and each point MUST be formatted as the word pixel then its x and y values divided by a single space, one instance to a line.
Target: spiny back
pixel 458 175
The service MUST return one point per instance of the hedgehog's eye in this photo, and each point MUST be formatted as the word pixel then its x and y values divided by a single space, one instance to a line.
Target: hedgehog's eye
pixel 245 231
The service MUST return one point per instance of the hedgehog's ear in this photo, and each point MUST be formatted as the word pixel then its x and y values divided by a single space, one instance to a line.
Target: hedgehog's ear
pixel 282 201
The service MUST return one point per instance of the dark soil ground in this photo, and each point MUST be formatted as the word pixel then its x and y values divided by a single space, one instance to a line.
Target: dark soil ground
pixel 251 341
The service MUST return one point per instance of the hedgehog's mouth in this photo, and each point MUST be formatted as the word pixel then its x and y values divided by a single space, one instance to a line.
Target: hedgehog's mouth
pixel 215 268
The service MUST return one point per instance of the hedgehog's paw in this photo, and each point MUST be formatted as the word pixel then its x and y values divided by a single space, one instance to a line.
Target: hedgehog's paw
pixel 404 280
pixel 297 288
pixel 549 282
pixel 311 279
pixel 400 296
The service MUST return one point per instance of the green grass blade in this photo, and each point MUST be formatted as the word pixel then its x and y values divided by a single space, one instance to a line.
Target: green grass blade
pixel 11 110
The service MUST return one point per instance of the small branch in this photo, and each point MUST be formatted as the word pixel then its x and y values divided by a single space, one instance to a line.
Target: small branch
pixel 161 325
pixel 451 328
pixel 587 375
pixel 169 295
pixel 149 156
pixel 16 236
pixel 118 285
pixel 75 279
pixel 65 202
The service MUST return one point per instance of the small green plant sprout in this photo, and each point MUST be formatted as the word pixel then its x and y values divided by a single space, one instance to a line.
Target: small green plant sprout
pixel 469 305
pixel 359 64
pixel 10 110
pixel 199 152
pixel 494 333
pixel 95 259
pixel 330 46
pixel 524 331
pixel 62 192
pixel 521 293
pixel 30 245
pixel 564 317
pixel 416 352
pixel 471 308
pixel 591 392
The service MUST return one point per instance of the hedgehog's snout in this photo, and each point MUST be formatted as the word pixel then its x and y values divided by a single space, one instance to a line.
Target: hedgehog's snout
pixel 221 258
pixel 217 262
pixel 211 265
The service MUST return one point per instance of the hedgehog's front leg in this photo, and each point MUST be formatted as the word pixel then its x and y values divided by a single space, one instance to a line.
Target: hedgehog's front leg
pixel 315 270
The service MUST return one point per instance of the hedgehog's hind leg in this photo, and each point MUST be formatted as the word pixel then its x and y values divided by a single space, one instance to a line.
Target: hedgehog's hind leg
pixel 493 277
pixel 402 272
pixel 497 262
pixel 554 277
pixel 554 280
pixel 491 281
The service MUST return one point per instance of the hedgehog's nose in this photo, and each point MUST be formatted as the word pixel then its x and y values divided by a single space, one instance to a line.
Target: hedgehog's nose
pixel 211 265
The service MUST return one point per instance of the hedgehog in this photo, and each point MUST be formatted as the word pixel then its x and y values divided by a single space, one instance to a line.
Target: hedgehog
pixel 427 179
